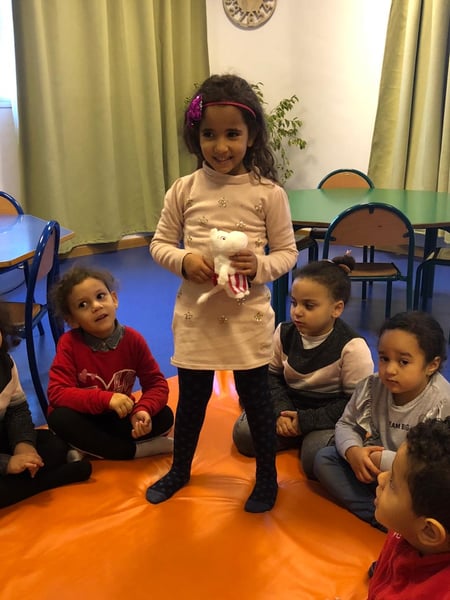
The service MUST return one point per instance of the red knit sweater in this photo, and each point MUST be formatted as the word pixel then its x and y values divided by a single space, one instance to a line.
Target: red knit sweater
pixel 403 574
pixel 85 380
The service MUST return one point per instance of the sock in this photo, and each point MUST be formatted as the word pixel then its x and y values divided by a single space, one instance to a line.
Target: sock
pixel 195 389
pixel 74 455
pixel 166 487
pixel 263 495
pixel 161 444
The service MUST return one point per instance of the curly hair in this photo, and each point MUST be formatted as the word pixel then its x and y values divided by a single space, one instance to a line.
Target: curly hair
pixel 61 290
pixel 332 274
pixel 425 328
pixel 259 158
pixel 428 459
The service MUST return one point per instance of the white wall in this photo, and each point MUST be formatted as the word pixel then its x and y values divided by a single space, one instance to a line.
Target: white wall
pixel 327 52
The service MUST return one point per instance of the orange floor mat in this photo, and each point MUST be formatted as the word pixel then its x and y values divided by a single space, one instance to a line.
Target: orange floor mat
pixel 102 540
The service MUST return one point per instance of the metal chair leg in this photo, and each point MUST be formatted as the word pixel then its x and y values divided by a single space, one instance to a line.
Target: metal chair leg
pixel 35 374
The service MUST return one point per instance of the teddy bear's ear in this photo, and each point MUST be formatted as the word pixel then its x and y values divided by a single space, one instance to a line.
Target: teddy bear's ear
pixel 213 232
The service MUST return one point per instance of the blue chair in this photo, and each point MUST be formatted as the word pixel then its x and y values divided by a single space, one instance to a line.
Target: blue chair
pixel 345 178
pixel 423 289
pixel 27 315
pixel 10 206
pixel 339 178
pixel 424 272
pixel 377 225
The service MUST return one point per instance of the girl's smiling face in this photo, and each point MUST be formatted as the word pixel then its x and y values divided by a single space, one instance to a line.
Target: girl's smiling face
pixel 224 139
pixel 93 308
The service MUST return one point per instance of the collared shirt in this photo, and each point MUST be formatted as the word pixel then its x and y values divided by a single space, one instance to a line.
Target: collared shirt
pixel 104 345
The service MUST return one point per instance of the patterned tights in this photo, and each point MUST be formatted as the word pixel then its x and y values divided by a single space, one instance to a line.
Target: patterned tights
pixel 195 389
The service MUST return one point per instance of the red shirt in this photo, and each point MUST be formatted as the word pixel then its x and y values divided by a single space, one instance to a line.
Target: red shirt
pixel 402 573
pixel 85 380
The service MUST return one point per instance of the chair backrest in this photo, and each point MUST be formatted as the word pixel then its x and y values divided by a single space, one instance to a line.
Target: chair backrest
pixel 9 205
pixel 379 226
pixel 346 178
pixel 45 264
pixel 372 224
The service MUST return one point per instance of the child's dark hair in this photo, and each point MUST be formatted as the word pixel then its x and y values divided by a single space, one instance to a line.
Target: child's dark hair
pixel 428 476
pixel 333 274
pixel 425 328
pixel 60 292
pixel 5 326
pixel 221 88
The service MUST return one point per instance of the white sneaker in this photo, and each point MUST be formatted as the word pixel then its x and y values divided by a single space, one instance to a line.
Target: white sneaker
pixel 157 445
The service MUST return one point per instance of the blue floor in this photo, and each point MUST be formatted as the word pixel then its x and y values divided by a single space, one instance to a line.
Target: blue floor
pixel 146 296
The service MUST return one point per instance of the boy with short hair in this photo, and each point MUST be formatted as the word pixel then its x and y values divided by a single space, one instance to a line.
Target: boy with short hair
pixel 413 502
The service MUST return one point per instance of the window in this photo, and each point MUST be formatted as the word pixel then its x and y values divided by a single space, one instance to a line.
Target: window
pixel 8 63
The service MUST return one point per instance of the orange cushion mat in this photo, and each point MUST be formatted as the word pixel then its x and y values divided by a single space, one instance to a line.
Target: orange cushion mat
pixel 101 540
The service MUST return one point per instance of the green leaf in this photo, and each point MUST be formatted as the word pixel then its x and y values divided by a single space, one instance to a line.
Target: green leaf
pixel 283 129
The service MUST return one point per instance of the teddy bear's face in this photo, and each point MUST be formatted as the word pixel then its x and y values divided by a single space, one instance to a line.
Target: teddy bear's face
pixel 224 242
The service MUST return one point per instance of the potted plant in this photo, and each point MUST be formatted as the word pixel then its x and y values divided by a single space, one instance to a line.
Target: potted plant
pixel 284 131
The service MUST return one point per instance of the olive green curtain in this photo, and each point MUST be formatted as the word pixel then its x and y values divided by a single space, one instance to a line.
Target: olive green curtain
pixel 101 92
pixel 411 140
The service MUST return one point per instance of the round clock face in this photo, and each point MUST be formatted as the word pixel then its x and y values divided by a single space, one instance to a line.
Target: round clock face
pixel 249 14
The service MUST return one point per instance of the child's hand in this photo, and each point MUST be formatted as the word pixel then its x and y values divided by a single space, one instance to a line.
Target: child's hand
pixel 121 404
pixel 197 269
pixel 23 461
pixel 361 462
pixel 287 423
pixel 245 262
pixel 142 424
pixel 375 457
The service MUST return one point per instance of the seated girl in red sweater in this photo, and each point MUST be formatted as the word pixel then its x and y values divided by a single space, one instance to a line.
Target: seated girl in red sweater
pixel 91 379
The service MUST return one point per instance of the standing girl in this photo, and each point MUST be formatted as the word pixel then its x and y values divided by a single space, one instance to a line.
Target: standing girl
pixel 234 188
pixel 406 390
pixel 318 360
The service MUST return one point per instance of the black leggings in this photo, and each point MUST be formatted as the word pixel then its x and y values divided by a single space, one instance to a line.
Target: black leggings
pixel 105 435
pixel 54 473
pixel 195 388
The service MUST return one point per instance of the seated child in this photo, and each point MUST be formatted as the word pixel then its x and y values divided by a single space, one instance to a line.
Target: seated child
pixel 406 390
pixel 413 502
pixel 91 379
pixel 31 461
pixel 318 359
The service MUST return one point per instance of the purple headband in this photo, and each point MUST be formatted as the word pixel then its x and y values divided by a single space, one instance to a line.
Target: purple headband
pixel 195 109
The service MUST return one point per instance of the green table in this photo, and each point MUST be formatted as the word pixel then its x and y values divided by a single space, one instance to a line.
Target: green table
pixel 318 207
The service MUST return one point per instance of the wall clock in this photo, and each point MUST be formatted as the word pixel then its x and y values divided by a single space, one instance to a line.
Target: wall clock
pixel 249 14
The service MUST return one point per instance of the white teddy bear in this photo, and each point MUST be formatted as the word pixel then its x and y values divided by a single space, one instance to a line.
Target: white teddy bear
pixel 223 245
